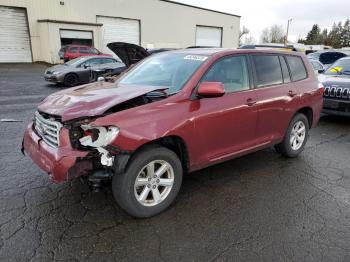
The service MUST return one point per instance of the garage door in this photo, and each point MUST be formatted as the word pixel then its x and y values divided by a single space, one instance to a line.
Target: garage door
pixel 14 37
pixel 76 37
pixel 119 30
pixel 208 36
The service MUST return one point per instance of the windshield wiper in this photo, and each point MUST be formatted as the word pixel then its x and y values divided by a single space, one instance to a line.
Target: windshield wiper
pixel 346 72
pixel 158 93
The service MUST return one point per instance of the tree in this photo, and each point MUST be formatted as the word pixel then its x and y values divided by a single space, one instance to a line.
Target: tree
pixel 249 40
pixel 314 36
pixel 345 35
pixel 243 32
pixel 334 35
pixel 273 34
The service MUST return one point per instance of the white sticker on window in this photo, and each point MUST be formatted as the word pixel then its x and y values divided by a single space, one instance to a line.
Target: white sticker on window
pixel 196 57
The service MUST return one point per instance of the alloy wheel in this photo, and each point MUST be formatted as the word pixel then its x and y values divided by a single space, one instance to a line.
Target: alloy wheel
pixel 297 135
pixel 154 183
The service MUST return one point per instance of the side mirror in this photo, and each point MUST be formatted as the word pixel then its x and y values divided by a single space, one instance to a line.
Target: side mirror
pixel 211 89
pixel 86 66
pixel 321 71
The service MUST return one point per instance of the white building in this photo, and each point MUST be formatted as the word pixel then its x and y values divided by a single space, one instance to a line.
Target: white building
pixel 34 30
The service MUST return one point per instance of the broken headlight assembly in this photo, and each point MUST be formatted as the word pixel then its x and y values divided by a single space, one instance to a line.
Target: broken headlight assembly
pixel 99 137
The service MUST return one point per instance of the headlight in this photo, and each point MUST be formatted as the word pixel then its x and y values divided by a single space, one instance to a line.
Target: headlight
pixel 98 136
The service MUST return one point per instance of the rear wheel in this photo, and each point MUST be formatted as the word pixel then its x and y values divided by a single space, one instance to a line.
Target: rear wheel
pixel 150 184
pixel 295 138
pixel 71 80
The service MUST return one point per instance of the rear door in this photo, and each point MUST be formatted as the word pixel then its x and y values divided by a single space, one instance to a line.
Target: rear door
pixel 226 124
pixel 84 51
pixel 73 52
pixel 276 96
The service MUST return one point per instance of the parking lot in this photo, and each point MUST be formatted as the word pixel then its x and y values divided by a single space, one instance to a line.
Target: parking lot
pixel 257 207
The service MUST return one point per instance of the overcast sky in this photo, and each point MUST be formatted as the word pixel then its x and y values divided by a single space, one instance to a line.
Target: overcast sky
pixel 257 15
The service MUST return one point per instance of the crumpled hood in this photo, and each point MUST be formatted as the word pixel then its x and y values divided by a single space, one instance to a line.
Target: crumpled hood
pixel 91 99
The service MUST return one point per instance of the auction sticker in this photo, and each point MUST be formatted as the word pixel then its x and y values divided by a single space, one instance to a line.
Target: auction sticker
pixel 196 57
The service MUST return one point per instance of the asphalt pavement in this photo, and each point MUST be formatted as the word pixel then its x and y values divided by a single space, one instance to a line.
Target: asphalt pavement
pixel 260 207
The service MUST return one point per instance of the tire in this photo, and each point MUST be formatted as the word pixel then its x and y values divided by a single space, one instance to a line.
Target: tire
pixel 126 193
pixel 294 142
pixel 71 80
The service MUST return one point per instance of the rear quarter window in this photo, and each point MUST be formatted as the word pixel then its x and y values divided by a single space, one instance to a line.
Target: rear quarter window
pixel 73 50
pixel 268 70
pixel 297 68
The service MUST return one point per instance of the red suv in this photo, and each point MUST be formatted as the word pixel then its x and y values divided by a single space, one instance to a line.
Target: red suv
pixel 171 114
pixel 70 52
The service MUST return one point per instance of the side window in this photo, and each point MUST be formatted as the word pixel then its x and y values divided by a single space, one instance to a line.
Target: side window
pixel 297 68
pixel 91 62
pixel 94 51
pixel 268 70
pixel 84 50
pixel 231 71
pixel 73 50
pixel 285 71
pixel 316 65
pixel 107 61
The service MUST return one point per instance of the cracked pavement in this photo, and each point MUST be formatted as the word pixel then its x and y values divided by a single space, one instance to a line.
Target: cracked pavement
pixel 260 207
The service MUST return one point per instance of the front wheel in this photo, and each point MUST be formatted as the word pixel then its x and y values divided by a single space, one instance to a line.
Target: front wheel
pixel 71 80
pixel 295 138
pixel 150 184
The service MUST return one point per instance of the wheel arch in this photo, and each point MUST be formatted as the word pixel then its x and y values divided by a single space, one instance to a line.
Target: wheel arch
pixel 174 143
pixel 308 112
pixel 71 73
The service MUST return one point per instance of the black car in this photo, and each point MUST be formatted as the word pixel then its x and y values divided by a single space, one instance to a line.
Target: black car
pixel 83 70
pixel 336 81
pixel 327 57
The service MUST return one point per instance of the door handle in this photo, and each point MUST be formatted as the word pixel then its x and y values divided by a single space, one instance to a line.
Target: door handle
pixel 291 93
pixel 251 102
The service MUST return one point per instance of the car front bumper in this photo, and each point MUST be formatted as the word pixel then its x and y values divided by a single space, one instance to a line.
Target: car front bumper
pixel 336 107
pixel 53 78
pixel 61 163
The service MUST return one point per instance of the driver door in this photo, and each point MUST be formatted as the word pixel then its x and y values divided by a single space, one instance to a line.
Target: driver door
pixel 84 69
pixel 226 125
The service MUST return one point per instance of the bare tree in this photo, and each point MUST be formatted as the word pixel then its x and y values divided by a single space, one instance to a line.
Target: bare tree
pixel 273 34
pixel 243 32
pixel 249 40
pixel 265 36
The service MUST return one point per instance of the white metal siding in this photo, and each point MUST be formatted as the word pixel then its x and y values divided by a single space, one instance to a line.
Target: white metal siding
pixel 118 30
pixel 14 37
pixel 208 36
pixel 75 34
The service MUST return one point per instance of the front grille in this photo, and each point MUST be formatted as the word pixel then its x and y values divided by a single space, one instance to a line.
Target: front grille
pixel 48 129
pixel 337 92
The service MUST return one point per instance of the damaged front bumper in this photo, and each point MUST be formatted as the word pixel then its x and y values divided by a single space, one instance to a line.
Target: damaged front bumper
pixel 61 163
pixel 64 162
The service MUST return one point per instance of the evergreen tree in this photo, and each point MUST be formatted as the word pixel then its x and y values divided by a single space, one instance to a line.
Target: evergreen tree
pixel 334 35
pixel 314 36
pixel 345 34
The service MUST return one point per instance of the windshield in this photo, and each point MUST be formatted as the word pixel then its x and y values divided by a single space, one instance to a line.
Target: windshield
pixel 315 56
pixel 75 61
pixel 341 67
pixel 169 70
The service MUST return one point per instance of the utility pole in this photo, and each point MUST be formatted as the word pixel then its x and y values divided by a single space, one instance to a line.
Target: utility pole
pixel 286 38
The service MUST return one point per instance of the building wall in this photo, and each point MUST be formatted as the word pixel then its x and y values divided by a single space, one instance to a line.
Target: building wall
pixel 163 24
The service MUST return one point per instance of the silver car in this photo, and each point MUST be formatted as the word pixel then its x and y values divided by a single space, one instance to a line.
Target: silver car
pixel 83 70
